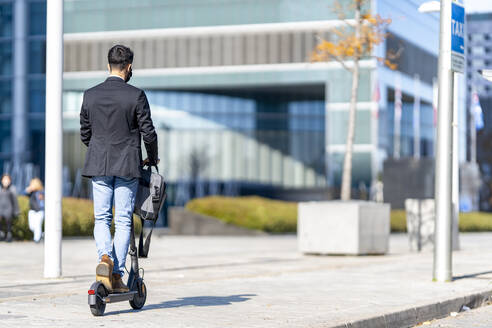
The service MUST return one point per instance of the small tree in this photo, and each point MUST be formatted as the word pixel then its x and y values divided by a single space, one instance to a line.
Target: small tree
pixel 353 41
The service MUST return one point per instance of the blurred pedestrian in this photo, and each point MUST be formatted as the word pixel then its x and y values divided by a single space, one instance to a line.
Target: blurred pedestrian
pixel 35 191
pixel 363 194
pixel 9 207
pixel 377 190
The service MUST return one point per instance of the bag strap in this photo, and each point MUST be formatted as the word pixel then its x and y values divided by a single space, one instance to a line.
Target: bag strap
pixel 143 248
pixel 133 247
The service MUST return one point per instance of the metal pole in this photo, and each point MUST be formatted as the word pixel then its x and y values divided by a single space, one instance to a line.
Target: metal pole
pixel 330 181
pixel 443 171
pixel 375 126
pixel 473 132
pixel 416 117
pixel 397 118
pixel 54 134
pixel 456 167
pixel 19 124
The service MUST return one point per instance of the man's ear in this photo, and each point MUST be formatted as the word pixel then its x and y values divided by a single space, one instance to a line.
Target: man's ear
pixel 129 67
pixel 109 68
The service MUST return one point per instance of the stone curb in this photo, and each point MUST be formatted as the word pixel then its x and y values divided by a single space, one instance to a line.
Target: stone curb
pixel 417 315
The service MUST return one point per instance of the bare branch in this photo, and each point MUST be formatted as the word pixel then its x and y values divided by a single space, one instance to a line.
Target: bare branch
pixel 348 23
pixel 342 62
pixel 393 55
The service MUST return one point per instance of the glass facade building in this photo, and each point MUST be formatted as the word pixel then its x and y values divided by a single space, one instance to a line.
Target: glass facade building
pixel 22 87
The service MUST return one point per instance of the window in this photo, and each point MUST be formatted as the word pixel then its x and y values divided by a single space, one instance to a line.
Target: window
pixel 5 97
pixel 477 37
pixel 478 50
pixel 37 57
pixel 6 20
pixel 36 95
pixel 37 18
pixel 478 63
pixel 243 48
pixel 413 59
pixel 5 58
pixel 5 143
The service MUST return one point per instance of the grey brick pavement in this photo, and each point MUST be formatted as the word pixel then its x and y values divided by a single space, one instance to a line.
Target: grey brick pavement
pixel 237 282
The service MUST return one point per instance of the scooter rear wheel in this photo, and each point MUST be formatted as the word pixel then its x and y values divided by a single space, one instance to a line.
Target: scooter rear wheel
pixel 138 300
pixel 99 308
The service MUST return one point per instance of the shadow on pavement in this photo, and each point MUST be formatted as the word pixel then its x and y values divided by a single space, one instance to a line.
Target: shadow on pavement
pixel 472 275
pixel 192 301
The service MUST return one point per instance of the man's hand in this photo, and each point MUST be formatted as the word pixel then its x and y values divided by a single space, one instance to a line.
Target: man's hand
pixel 147 162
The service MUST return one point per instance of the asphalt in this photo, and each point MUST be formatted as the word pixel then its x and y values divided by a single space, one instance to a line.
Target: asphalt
pixel 477 318
pixel 247 282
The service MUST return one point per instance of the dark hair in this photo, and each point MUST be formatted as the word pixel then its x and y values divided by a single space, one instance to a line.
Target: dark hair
pixel 119 57
pixel 8 176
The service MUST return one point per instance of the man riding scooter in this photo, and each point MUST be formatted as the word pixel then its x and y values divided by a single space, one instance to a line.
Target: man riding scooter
pixel 113 119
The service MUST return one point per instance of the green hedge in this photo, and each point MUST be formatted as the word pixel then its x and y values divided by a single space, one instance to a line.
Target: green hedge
pixel 281 217
pixel 78 218
pixel 398 221
pixel 469 222
pixel 249 212
pixel 475 222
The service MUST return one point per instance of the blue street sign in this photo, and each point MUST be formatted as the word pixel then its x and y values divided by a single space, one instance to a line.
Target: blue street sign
pixel 457 37
pixel 458 29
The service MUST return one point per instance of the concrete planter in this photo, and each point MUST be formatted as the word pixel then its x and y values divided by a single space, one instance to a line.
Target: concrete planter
pixel 343 228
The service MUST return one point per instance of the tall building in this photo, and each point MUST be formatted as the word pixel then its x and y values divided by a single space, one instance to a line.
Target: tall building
pixel 22 87
pixel 479 51
pixel 479 56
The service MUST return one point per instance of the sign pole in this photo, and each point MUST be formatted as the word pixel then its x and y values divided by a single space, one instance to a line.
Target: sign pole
pixel 456 167
pixel 451 59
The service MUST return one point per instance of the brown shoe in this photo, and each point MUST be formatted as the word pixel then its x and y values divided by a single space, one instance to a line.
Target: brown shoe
pixel 104 270
pixel 118 284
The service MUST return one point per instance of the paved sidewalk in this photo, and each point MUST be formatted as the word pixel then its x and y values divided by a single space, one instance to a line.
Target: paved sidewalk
pixel 238 282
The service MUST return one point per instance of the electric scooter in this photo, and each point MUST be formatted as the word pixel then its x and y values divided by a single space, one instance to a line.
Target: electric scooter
pixel 99 296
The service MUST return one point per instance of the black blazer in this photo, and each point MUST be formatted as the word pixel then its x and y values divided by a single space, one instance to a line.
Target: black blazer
pixel 113 118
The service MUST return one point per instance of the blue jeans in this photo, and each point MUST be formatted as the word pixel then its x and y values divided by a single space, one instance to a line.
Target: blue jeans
pixel 120 191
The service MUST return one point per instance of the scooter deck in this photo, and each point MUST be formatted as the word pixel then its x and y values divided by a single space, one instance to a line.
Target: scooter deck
pixel 119 297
